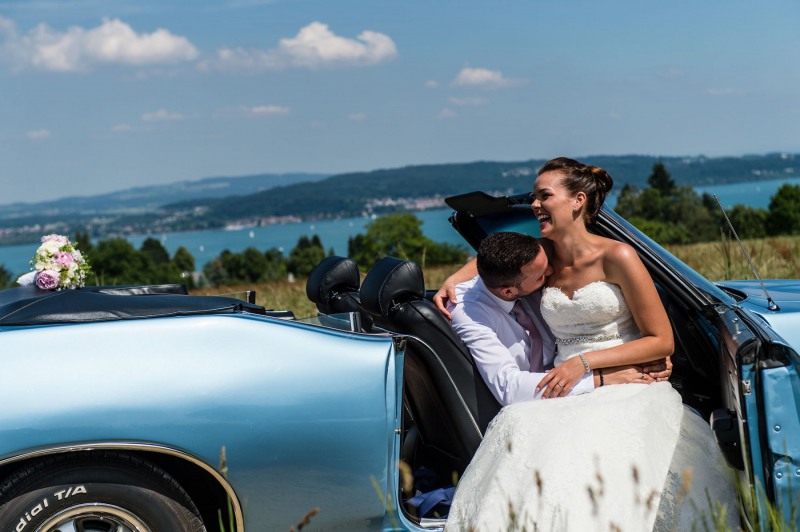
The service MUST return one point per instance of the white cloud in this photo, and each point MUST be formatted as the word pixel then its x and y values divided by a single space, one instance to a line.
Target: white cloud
pixel 266 110
pixel 315 46
pixel 78 49
pixel 357 117
pixel 670 73
pixel 251 111
pixel 38 134
pixel 431 84
pixel 447 113
pixel 7 27
pixel 468 101
pixel 727 91
pixel 162 115
pixel 483 77
pixel 121 128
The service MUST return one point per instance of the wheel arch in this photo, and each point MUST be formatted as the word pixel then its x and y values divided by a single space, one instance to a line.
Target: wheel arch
pixel 206 486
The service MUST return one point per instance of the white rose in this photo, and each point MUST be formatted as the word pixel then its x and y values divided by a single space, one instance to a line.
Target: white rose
pixel 50 247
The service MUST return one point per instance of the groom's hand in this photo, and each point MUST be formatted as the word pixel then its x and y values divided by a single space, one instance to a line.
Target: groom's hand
pixel 660 370
pixel 626 375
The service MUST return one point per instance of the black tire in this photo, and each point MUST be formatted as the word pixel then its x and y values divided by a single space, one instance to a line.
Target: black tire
pixel 96 492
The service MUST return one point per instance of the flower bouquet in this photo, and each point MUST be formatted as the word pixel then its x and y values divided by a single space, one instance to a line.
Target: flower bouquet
pixel 57 265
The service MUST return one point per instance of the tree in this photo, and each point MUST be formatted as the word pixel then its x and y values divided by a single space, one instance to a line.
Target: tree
pixel 116 261
pixel 784 211
pixel 5 277
pixel 660 180
pixel 214 271
pixel 249 266
pixel 183 263
pixel 183 260
pixel 400 235
pixel 666 212
pixel 245 267
pixel 305 255
pixel 83 243
pixel 748 222
pixel 154 249
pixel 275 265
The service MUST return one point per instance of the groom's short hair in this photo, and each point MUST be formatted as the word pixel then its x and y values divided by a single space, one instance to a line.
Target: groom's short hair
pixel 502 255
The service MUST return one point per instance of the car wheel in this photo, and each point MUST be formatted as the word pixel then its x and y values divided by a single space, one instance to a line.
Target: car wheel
pixel 95 492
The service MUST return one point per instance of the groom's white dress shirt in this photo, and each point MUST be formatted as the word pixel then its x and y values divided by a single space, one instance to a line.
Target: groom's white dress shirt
pixel 500 346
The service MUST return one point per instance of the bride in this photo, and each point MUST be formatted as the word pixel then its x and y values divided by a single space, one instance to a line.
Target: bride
pixel 623 457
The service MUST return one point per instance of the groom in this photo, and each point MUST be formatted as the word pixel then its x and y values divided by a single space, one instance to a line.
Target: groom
pixel 497 316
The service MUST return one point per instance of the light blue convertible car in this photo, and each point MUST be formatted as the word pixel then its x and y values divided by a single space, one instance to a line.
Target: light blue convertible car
pixel 117 402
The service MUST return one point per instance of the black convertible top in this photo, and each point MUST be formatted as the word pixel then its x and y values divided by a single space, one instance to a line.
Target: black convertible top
pixel 28 305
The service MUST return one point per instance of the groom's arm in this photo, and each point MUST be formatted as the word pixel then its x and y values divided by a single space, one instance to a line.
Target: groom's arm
pixel 498 366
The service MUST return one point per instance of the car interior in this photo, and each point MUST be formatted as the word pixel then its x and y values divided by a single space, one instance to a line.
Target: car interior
pixel 446 405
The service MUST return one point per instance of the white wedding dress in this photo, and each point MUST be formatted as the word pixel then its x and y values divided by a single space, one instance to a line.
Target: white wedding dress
pixel 626 457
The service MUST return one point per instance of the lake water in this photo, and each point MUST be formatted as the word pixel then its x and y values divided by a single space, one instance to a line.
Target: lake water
pixel 205 245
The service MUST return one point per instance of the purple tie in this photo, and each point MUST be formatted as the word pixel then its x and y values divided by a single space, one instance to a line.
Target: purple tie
pixel 522 317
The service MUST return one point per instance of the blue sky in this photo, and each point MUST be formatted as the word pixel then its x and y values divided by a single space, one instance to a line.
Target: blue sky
pixel 100 96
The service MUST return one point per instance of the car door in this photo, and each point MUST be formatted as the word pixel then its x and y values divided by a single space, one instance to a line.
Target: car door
pixel 770 373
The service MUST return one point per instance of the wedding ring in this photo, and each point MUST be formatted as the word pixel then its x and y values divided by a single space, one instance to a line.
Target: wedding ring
pixel 643 374
pixel 560 385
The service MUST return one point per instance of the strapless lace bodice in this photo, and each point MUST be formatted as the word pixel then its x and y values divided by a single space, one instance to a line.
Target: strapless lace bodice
pixel 595 318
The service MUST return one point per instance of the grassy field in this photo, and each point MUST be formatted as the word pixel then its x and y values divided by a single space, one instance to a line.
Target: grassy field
pixel 774 258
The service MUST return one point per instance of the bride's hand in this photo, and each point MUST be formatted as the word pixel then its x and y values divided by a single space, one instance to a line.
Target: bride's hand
pixel 626 375
pixel 560 380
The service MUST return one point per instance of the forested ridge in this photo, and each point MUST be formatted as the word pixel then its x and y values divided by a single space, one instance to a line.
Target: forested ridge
pixel 377 192
pixel 350 194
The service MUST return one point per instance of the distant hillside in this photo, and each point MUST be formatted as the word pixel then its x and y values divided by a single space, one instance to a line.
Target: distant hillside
pixel 150 198
pixel 380 190
pixel 269 198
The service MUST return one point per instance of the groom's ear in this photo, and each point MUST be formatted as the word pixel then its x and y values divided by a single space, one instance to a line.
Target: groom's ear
pixel 508 293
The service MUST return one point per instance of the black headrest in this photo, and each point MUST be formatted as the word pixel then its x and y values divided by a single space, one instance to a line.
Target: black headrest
pixel 389 282
pixel 331 276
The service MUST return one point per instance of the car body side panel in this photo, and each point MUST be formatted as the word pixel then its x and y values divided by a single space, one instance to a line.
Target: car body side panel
pixel 781 389
pixel 298 408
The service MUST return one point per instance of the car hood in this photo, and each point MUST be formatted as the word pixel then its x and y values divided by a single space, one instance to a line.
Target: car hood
pixel 784 292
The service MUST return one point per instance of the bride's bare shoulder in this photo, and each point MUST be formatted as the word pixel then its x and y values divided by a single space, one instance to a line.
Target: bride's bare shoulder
pixel 618 253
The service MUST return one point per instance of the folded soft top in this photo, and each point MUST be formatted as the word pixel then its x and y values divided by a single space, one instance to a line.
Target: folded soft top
pixel 28 305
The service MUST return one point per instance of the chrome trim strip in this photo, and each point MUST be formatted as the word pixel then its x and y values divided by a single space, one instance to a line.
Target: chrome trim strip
pixel 146 447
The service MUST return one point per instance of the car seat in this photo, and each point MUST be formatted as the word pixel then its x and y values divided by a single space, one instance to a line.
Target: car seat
pixel 333 286
pixel 447 397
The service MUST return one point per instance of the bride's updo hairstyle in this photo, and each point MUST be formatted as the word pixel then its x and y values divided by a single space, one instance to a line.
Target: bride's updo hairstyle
pixel 578 177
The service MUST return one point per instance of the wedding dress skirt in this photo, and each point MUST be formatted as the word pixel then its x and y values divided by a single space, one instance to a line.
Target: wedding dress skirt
pixel 625 457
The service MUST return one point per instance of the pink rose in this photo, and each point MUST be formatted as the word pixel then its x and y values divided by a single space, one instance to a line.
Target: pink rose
pixel 63 259
pixel 47 279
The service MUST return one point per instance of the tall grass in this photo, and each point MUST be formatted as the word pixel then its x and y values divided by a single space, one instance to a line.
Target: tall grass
pixel 777 257
pixel 286 295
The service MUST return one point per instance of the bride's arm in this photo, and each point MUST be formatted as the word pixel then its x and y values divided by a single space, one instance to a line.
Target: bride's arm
pixel 448 290
pixel 622 267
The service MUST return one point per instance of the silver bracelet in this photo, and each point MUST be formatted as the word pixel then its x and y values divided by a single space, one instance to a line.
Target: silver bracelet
pixel 585 363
